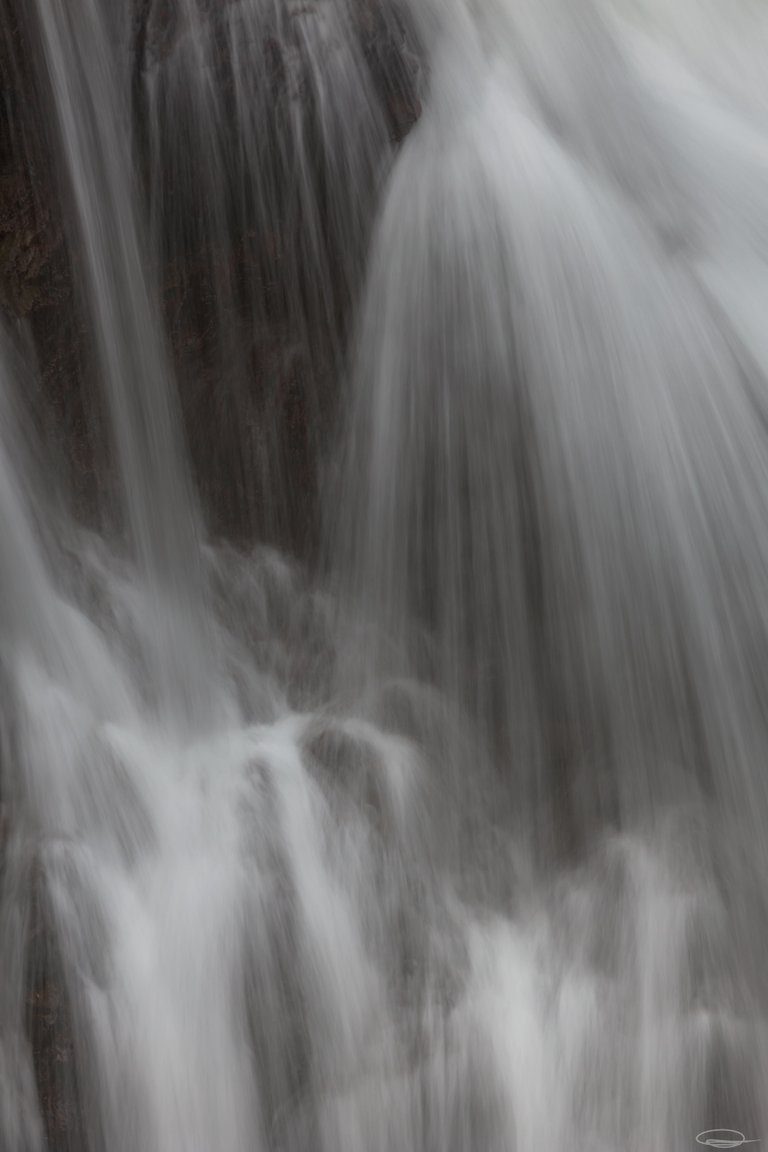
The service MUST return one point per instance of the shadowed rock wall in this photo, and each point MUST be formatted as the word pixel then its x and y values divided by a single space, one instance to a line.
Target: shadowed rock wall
pixel 258 382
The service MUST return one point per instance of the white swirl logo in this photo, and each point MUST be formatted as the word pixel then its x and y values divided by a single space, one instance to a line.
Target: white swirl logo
pixel 723 1138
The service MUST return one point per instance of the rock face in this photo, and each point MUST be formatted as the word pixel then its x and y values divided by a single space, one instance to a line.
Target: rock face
pixel 261 269
pixel 37 294
pixel 258 206
pixel 32 258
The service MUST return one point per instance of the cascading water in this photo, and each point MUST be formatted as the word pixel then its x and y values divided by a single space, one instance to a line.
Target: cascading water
pixel 456 842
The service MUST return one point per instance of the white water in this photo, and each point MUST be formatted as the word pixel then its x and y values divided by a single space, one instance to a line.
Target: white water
pixel 467 854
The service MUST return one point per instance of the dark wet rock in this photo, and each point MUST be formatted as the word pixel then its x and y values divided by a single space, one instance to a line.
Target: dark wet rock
pixel 37 292
pixel 33 266
pixel 259 275
pixel 258 391
pixel 50 1032
pixel 352 769
pixel 395 59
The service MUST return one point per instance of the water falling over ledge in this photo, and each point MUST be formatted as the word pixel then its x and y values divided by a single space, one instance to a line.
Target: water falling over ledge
pixel 382 768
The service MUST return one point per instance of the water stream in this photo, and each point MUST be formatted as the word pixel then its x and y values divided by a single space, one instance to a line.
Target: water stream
pixel 451 836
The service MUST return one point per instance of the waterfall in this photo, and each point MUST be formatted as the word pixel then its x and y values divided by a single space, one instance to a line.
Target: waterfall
pixel 381 770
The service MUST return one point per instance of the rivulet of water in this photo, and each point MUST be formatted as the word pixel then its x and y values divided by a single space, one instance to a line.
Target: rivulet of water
pixel 455 841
